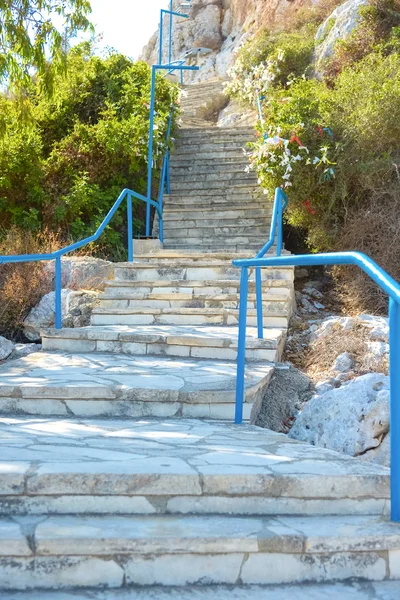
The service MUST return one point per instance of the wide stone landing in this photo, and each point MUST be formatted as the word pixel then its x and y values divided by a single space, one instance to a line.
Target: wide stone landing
pixel 161 467
pixel 118 385
pixel 383 590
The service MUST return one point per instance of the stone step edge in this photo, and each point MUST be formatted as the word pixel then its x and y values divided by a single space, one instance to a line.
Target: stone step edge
pixel 63 535
pixel 182 297
pixel 182 264
pixel 272 337
pixel 275 283
pixel 251 312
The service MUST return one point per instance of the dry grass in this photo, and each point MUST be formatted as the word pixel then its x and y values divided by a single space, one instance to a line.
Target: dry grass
pixel 374 230
pixel 316 357
pixel 22 285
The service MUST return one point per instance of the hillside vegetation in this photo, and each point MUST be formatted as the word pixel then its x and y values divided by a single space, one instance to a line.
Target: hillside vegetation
pixel 333 135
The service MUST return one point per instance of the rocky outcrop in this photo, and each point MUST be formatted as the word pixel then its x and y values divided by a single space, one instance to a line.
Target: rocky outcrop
pixel 221 26
pixel 336 27
pixel 76 308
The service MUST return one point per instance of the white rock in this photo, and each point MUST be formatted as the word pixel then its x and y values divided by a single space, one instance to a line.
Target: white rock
pixel 74 306
pixel 21 350
pixel 336 27
pixel 6 347
pixel 331 324
pixel 351 419
pixel 343 363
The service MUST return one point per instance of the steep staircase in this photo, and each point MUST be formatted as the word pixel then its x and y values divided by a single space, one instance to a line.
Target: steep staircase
pixel 120 466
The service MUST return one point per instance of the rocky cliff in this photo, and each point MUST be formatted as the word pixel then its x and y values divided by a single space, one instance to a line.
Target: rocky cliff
pixel 220 25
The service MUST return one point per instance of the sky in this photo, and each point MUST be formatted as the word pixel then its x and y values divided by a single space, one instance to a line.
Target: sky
pixel 126 25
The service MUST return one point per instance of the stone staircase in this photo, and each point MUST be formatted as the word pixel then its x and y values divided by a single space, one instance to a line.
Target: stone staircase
pixel 120 466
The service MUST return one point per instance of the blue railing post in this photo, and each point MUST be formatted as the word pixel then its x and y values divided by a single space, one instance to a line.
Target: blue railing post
pixel 259 307
pixel 130 226
pixel 241 356
pixel 58 294
pixel 170 34
pixel 279 242
pixel 150 153
pixel 394 342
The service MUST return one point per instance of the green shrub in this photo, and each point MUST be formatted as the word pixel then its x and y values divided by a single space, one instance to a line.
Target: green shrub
pixel 88 142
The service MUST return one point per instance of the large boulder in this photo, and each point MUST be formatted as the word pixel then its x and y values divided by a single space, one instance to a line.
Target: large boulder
pixel 353 418
pixel 76 309
pixel 343 20
pixel 6 347
pixel 83 272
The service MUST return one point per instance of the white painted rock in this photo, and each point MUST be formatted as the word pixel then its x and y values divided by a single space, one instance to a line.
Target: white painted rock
pixel 352 419
pixel 337 26
pixel 6 347
pixel 76 309
pixel 83 272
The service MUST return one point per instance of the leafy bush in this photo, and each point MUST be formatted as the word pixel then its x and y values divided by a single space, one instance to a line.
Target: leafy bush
pixel 89 141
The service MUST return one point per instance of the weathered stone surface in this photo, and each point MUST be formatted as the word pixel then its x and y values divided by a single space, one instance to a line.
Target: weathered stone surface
pixel 384 590
pixel 352 419
pixel 83 272
pixel 76 309
pixel 6 348
pixel 336 27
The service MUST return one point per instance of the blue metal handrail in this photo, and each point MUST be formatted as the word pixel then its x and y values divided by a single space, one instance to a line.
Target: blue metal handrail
pixel 127 195
pixel 280 204
pixel 389 286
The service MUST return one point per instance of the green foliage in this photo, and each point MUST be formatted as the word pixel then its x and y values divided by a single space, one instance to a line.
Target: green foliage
pixel 34 36
pixel 331 177
pixel 87 142
pixel 270 60
pixel 376 31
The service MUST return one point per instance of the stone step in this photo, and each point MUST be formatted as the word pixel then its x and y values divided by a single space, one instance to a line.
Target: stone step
pixel 205 161
pixel 198 186
pixel 187 271
pixel 204 226
pixel 275 316
pixel 170 466
pixel 167 340
pixel 234 212
pixel 207 140
pixel 197 170
pixel 252 191
pixel 209 202
pixel 271 287
pixel 253 243
pixel 234 235
pixel 108 385
pixel 211 132
pixel 167 550
pixel 221 150
pixel 110 301
pixel 212 176
pixel 354 590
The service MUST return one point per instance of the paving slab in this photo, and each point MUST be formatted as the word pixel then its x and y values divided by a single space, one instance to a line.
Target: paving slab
pixel 76 378
pixel 384 590
pixel 155 466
